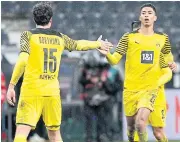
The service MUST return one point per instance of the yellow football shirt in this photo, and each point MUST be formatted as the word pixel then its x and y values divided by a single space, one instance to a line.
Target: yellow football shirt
pixel 142 59
pixel 45 47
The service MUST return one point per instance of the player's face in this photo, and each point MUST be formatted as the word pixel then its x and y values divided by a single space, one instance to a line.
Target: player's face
pixel 147 16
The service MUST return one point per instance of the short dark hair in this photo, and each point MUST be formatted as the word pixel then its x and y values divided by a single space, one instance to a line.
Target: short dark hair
pixel 149 5
pixel 135 25
pixel 42 13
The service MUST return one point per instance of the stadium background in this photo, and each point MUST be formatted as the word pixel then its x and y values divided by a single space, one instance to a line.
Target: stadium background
pixel 85 20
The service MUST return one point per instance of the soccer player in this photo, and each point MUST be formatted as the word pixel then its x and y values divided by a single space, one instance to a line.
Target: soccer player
pixel 142 48
pixel 39 59
pixel 157 118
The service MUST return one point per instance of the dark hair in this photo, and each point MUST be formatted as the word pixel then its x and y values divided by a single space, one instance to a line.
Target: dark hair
pixel 42 13
pixel 149 5
pixel 135 25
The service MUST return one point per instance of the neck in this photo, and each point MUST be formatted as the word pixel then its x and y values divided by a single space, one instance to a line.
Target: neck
pixel 43 27
pixel 147 30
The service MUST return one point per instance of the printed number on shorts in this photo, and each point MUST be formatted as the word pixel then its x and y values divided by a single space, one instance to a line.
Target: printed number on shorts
pixel 163 114
pixel 152 100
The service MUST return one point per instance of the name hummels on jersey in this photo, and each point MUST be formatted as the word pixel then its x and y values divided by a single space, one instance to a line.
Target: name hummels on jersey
pixel 49 40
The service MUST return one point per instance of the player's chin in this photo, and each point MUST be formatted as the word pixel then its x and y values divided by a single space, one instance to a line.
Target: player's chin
pixel 147 25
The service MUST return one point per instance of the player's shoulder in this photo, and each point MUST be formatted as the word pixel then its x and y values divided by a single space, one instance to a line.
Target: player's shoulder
pixel 65 37
pixel 125 35
pixel 161 34
pixel 62 34
pixel 131 34
pixel 25 34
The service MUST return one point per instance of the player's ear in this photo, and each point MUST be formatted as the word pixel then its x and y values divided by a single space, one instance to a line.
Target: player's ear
pixel 155 18
pixel 50 20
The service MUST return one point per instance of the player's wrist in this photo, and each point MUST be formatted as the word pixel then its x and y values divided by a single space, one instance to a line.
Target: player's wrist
pixel 11 86
pixel 108 54
pixel 99 44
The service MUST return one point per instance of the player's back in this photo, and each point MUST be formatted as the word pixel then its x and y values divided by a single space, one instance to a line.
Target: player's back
pixel 41 73
pixel 143 60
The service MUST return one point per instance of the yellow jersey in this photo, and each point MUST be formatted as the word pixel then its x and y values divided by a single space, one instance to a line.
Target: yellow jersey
pixel 142 59
pixel 45 47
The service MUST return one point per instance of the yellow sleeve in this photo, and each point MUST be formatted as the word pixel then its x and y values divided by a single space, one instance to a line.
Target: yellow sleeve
pixel 123 44
pixel 80 45
pixel 19 67
pixel 166 73
pixel 169 58
pixel 121 49
pixel 22 59
pixel 24 42
pixel 166 50
pixel 114 58
pixel 162 62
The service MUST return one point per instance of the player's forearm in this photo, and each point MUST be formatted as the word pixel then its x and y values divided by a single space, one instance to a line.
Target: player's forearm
pixel 165 77
pixel 83 45
pixel 114 58
pixel 19 68
pixel 168 58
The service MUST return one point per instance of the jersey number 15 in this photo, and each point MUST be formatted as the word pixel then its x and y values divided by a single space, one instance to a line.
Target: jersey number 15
pixel 50 60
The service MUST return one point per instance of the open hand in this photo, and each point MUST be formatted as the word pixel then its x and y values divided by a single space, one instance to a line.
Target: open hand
pixel 102 51
pixel 11 96
pixel 105 45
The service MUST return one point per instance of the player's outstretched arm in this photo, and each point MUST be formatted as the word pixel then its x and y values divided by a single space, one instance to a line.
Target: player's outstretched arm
pixel 83 45
pixel 121 49
pixel 113 59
